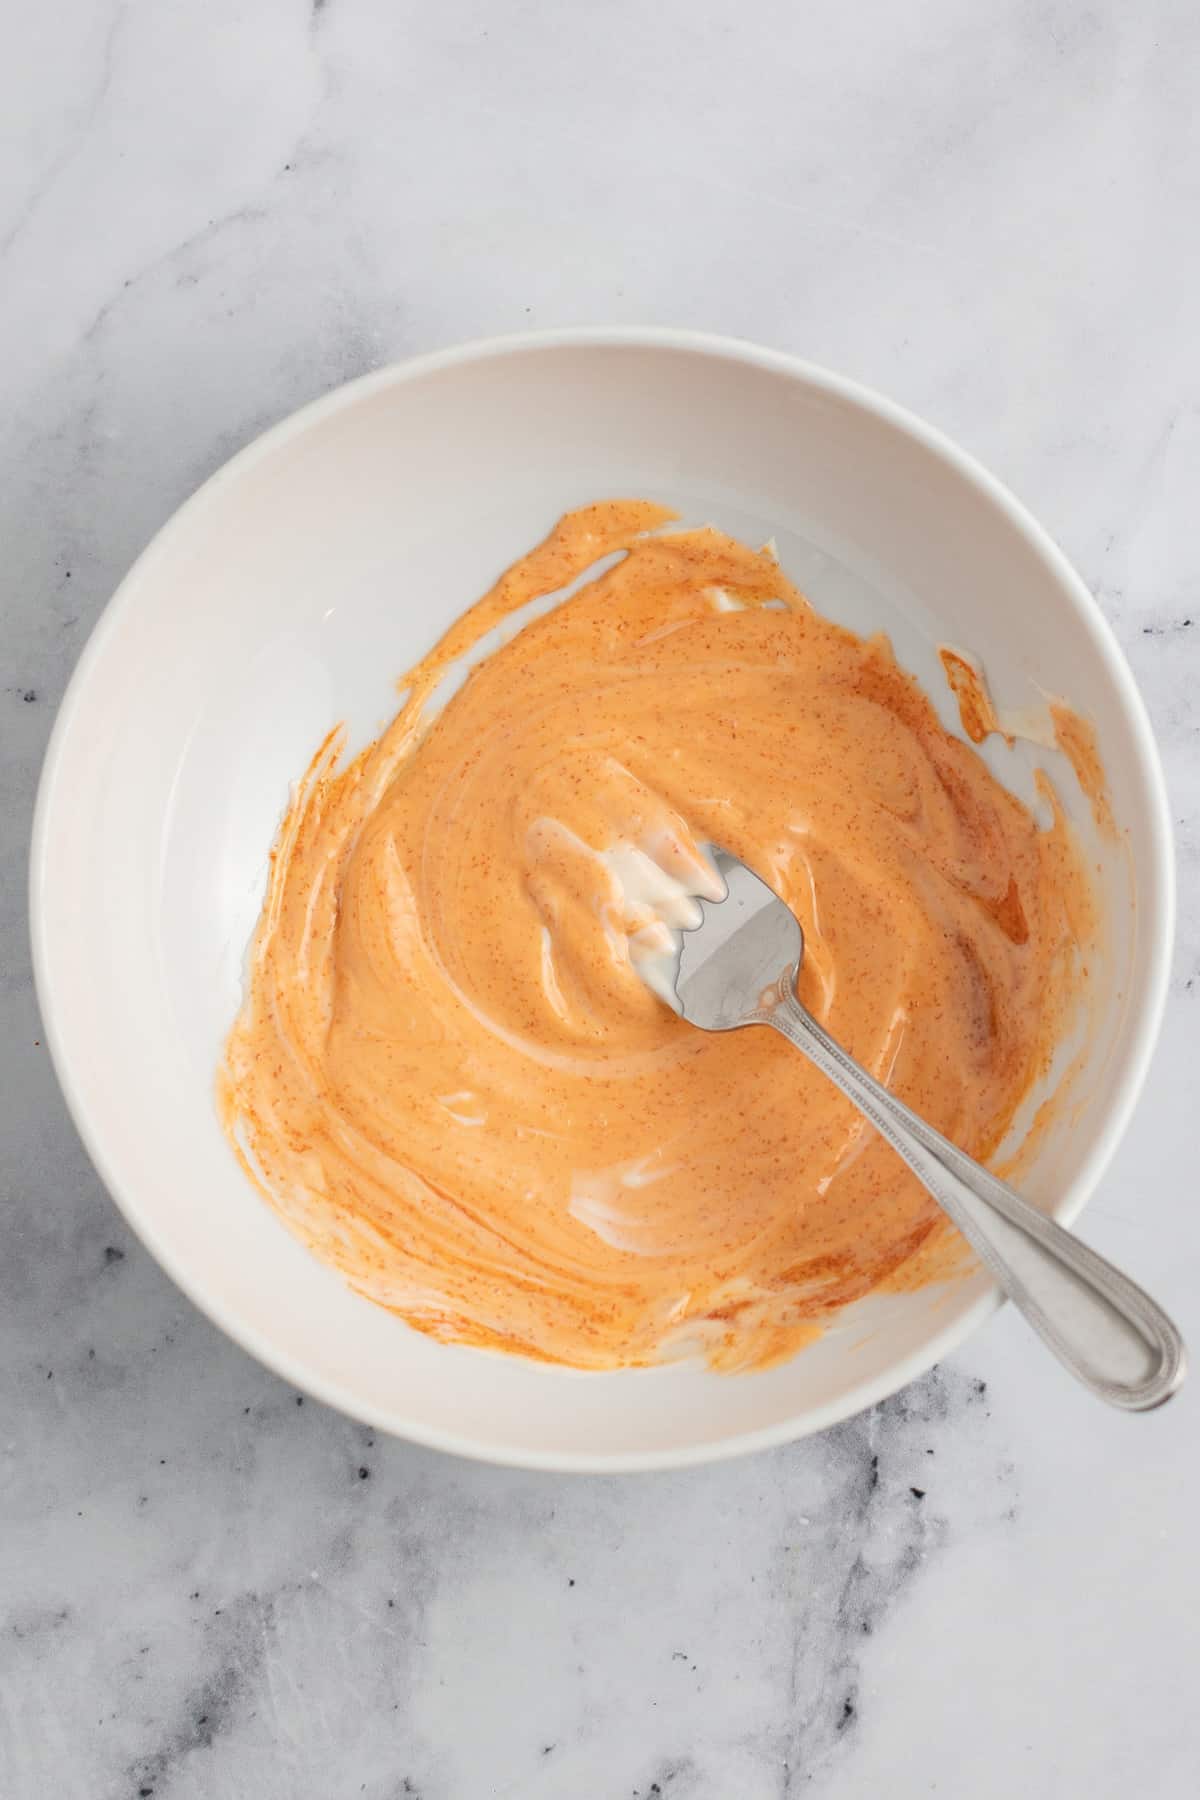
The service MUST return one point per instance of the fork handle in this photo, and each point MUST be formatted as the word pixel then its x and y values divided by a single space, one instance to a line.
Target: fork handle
pixel 1110 1334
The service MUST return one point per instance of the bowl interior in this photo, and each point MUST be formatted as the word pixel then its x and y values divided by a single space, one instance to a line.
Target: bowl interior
pixel 293 590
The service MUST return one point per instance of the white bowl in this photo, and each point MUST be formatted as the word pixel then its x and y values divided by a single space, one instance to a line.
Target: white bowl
pixel 292 589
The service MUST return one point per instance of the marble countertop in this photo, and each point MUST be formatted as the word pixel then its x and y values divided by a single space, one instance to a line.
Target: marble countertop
pixel 209 1587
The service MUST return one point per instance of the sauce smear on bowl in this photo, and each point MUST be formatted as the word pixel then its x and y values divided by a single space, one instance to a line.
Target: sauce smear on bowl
pixel 449 1077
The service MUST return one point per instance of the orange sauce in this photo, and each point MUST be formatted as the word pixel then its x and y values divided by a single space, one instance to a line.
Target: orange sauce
pixel 1062 726
pixel 970 688
pixel 447 1074
pixel 1076 738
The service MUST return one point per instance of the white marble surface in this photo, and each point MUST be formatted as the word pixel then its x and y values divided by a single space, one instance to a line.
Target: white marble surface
pixel 209 214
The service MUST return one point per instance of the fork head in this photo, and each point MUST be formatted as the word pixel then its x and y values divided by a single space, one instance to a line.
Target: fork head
pixel 745 950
